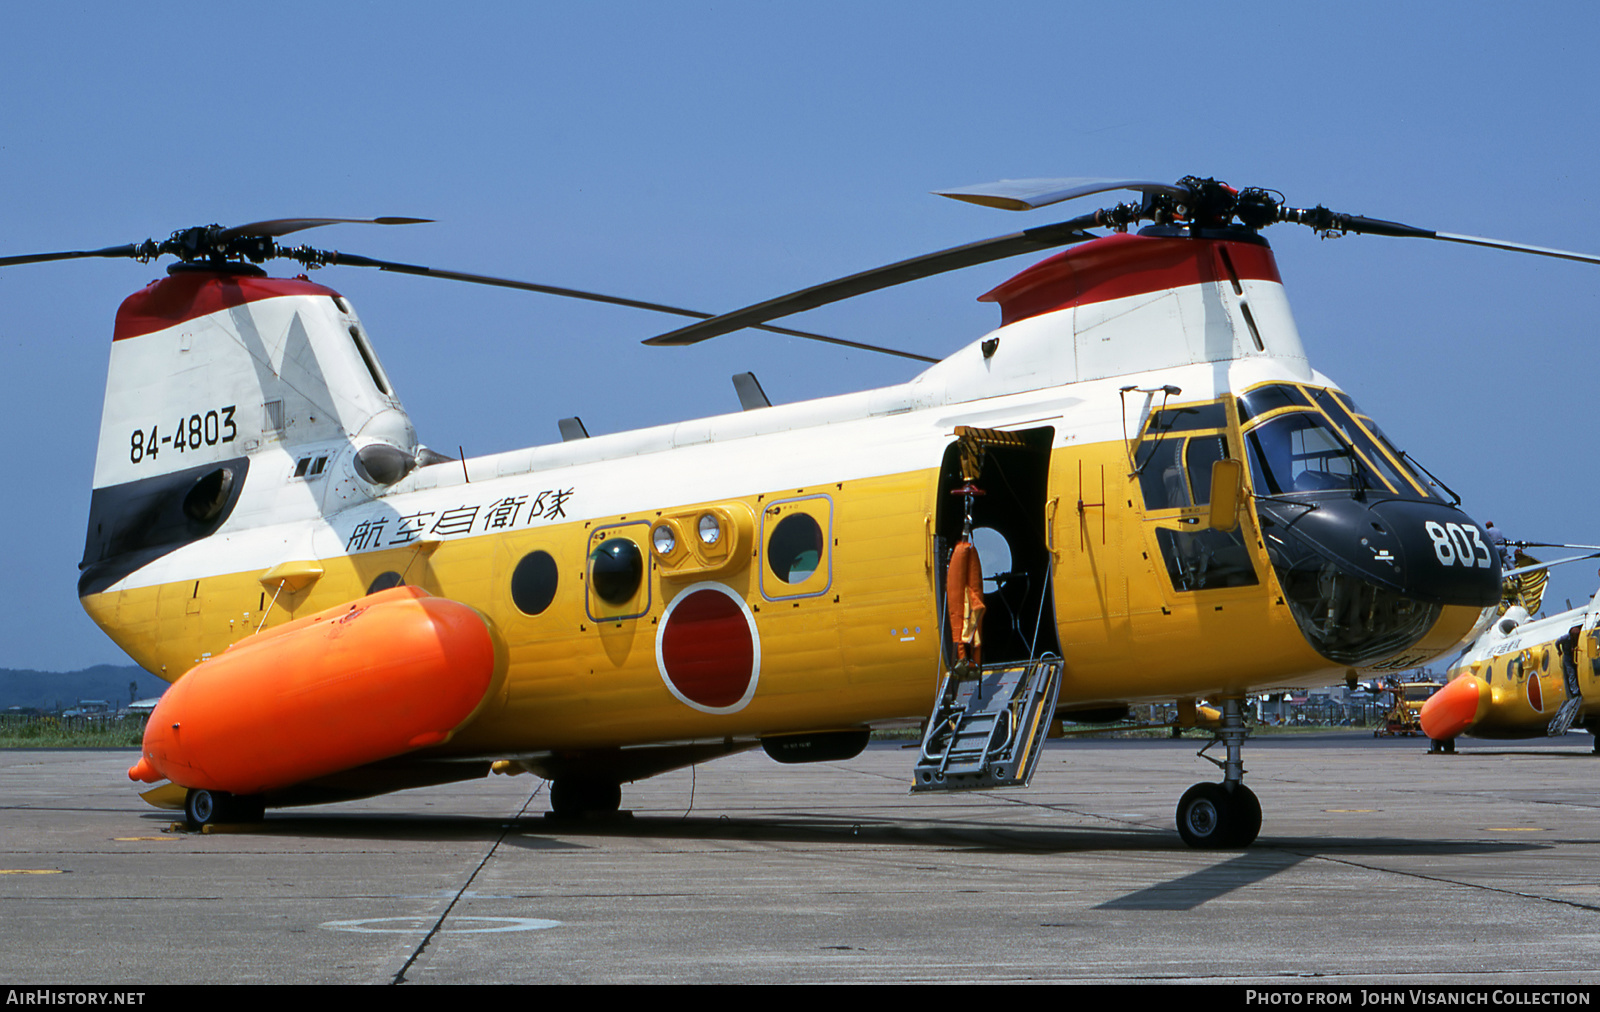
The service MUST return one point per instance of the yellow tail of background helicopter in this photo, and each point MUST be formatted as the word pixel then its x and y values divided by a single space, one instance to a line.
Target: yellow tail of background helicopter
pixel 1165 500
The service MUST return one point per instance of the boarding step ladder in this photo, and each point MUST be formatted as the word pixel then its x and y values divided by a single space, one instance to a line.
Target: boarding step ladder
pixel 1564 717
pixel 989 726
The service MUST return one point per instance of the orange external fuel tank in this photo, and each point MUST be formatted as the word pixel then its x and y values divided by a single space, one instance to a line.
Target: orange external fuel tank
pixel 395 671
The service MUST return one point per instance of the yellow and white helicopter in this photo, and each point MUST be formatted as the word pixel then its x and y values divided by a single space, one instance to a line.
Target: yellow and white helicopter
pixel 1173 503
pixel 1523 677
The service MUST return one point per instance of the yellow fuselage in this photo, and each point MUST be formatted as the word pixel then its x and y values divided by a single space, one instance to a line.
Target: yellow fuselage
pixel 857 643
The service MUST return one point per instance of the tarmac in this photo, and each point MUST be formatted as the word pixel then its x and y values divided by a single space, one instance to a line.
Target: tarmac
pixel 1378 864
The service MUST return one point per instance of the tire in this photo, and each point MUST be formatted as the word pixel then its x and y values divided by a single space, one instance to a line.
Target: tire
pixel 202 807
pixel 572 797
pixel 1203 815
pixel 1246 822
pixel 1213 817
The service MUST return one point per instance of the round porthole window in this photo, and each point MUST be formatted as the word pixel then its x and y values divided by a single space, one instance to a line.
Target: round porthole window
pixel 385 581
pixel 615 569
pixel 995 553
pixel 533 583
pixel 794 551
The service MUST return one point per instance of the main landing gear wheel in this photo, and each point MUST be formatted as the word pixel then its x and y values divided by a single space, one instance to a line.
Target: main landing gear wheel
pixel 202 807
pixel 1217 816
pixel 573 797
pixel 199 807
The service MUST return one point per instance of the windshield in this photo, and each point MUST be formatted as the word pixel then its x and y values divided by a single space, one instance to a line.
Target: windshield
pixel 1300 452
pixel 1315 439
pixel 1344 415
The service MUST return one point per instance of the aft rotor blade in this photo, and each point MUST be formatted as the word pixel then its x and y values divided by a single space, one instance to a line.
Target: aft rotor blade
pixel 1027 194
pixel 284 226
pixel 353 260
pixel 1541 566
pixel 981 252
pixel 134 250
pixel 1551 544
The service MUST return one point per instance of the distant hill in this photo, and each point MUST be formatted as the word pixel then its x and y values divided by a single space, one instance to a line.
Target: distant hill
pixel 52 690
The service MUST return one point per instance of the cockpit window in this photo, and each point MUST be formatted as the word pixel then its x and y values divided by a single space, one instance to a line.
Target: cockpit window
pixel 1175 471
pixel 1263 399
pixel 1300 452
pixel 1198 456
pixel 1352 430
pixel 1186 419
pixel 1320 440
pixel 1161 474
pixel 1352 422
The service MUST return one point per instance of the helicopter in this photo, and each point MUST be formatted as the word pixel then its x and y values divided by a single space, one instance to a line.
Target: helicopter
pixel 1173 502
pixel 1522 676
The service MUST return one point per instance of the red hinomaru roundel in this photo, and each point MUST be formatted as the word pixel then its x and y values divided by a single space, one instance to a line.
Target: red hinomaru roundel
pixel 708 650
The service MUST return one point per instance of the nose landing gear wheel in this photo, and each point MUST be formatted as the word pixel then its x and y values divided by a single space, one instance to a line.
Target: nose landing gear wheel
pixel 1214 816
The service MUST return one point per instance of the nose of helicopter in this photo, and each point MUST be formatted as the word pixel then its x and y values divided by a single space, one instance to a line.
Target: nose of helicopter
pixel 1368 577
pixel 1453 708
pixel 1427 551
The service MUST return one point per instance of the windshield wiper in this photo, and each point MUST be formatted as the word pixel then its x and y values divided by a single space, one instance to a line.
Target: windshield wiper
pixel 1431 476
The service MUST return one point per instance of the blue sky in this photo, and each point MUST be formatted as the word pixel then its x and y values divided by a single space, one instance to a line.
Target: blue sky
pixel 716 154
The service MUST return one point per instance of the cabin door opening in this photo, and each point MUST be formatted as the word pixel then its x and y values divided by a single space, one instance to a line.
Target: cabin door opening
pixel 1008 531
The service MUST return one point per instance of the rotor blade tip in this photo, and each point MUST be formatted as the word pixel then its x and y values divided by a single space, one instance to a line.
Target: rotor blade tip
pixel 987 200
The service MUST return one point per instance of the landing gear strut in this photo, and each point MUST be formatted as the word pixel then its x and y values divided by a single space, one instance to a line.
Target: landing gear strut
pixel 1225 815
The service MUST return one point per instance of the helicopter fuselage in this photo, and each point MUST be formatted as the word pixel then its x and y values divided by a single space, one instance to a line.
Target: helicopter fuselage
pixel 1123 370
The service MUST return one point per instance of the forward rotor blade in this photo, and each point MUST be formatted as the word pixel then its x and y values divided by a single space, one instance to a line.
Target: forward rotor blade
pixel 1517 247
pixel 130 250
pixel 981 252
pixel 1324 220
pixel 353 260
pixel 284 226
pixel 1027 194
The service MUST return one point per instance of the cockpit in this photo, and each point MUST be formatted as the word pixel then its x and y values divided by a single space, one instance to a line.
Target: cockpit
pixel 1356 537
pixel 1368 552
pixel 1313 439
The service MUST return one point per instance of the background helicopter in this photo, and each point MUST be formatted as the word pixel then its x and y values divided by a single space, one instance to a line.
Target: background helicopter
pixel 1530 673
pixel 1416 345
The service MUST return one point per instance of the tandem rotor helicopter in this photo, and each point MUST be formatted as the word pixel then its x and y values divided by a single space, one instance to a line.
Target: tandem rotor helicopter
pixel 1523 677
pixel 1173 504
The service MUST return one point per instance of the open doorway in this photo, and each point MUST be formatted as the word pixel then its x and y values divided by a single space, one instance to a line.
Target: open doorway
pixel 1008 531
